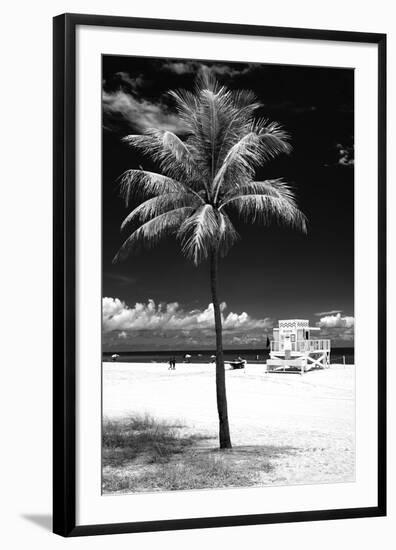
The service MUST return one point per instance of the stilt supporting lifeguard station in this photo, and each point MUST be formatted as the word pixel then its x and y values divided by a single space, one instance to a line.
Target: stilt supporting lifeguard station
pixel 294 349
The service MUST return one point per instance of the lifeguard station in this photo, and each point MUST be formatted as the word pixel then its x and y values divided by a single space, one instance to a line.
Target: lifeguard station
pixel 294 349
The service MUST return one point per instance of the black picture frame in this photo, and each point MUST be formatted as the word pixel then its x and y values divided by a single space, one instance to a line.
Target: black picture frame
pixel 64 267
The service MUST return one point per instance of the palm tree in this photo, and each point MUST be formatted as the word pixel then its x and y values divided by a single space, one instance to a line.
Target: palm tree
pixel 204 179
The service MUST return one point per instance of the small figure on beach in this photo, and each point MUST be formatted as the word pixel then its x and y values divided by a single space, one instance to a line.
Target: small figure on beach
pixel 172 363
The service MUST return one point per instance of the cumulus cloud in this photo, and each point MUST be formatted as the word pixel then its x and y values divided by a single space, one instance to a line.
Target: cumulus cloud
pixel 126 106
pixel 337 327
pixel 138 114
pixel 181 67
pixel 331 312
pixel 217 69
pixel 336 321
pixel 134 83
pixel 118 316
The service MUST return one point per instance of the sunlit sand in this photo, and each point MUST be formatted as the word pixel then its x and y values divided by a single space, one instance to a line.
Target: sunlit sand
pixel 305 423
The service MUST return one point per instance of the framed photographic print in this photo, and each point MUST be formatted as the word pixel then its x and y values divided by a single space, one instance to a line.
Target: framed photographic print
pixel 219 275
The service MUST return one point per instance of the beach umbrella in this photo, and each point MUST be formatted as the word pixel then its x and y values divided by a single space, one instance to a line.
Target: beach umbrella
pixel 115 356
pixel 187 356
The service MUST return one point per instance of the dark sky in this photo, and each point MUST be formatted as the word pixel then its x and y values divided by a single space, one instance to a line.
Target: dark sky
pixel 271 273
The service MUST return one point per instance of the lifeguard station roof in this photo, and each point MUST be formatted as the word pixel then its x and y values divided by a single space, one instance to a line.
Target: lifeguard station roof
pixel 292 323
pixel 296 323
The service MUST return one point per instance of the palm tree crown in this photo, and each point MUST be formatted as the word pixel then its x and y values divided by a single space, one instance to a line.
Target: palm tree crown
pixel 208 176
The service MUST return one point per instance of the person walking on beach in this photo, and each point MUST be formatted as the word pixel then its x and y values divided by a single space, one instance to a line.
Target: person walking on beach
pixel 170 364
pixel 174 363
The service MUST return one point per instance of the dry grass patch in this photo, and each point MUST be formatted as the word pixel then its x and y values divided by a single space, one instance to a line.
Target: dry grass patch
pixel 145 454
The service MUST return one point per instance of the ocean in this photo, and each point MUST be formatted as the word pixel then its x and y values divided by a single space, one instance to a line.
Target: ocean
pixel 204 356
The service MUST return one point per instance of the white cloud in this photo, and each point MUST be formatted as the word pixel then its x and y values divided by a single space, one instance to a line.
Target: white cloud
pixel 331 312
pixel 135 83
pixel 140 113
pixel 181 67
pixel 337 327
pixel 336 321
pixel 194 67
pixel 118 316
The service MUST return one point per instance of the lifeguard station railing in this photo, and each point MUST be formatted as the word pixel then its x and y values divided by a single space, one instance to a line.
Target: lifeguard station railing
pixel 302 345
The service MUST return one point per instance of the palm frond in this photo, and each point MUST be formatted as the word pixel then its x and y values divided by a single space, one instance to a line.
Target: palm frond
pixel 176 147
pixel 142 183
pixel 264 142
pixel 239 163
pixel 138 141
pixel 274 138
pixel 245 98
pixel 274 188
pixel 207 81
pixel 151 232
pixel 239 120
pixel 159 205
pixel 264 208
pixel 228 235
pixel 167 149
pixel 210 125
pixel 186 105
pixel 199 233
pixel 207 128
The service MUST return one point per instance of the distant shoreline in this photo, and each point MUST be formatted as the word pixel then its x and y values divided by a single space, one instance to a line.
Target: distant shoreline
pixel 193 352
pixel 337 355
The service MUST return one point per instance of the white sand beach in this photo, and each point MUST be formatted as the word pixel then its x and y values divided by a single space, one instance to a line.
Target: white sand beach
pixel 304 423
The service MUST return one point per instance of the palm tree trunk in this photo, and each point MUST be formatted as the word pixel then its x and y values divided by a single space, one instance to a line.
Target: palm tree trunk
pixel 224 429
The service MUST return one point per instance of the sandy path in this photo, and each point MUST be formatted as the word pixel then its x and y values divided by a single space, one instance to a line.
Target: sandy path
pixel 307 422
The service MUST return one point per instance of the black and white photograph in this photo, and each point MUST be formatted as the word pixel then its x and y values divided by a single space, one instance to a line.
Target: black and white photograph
pixel 228 317
pixel 197 275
